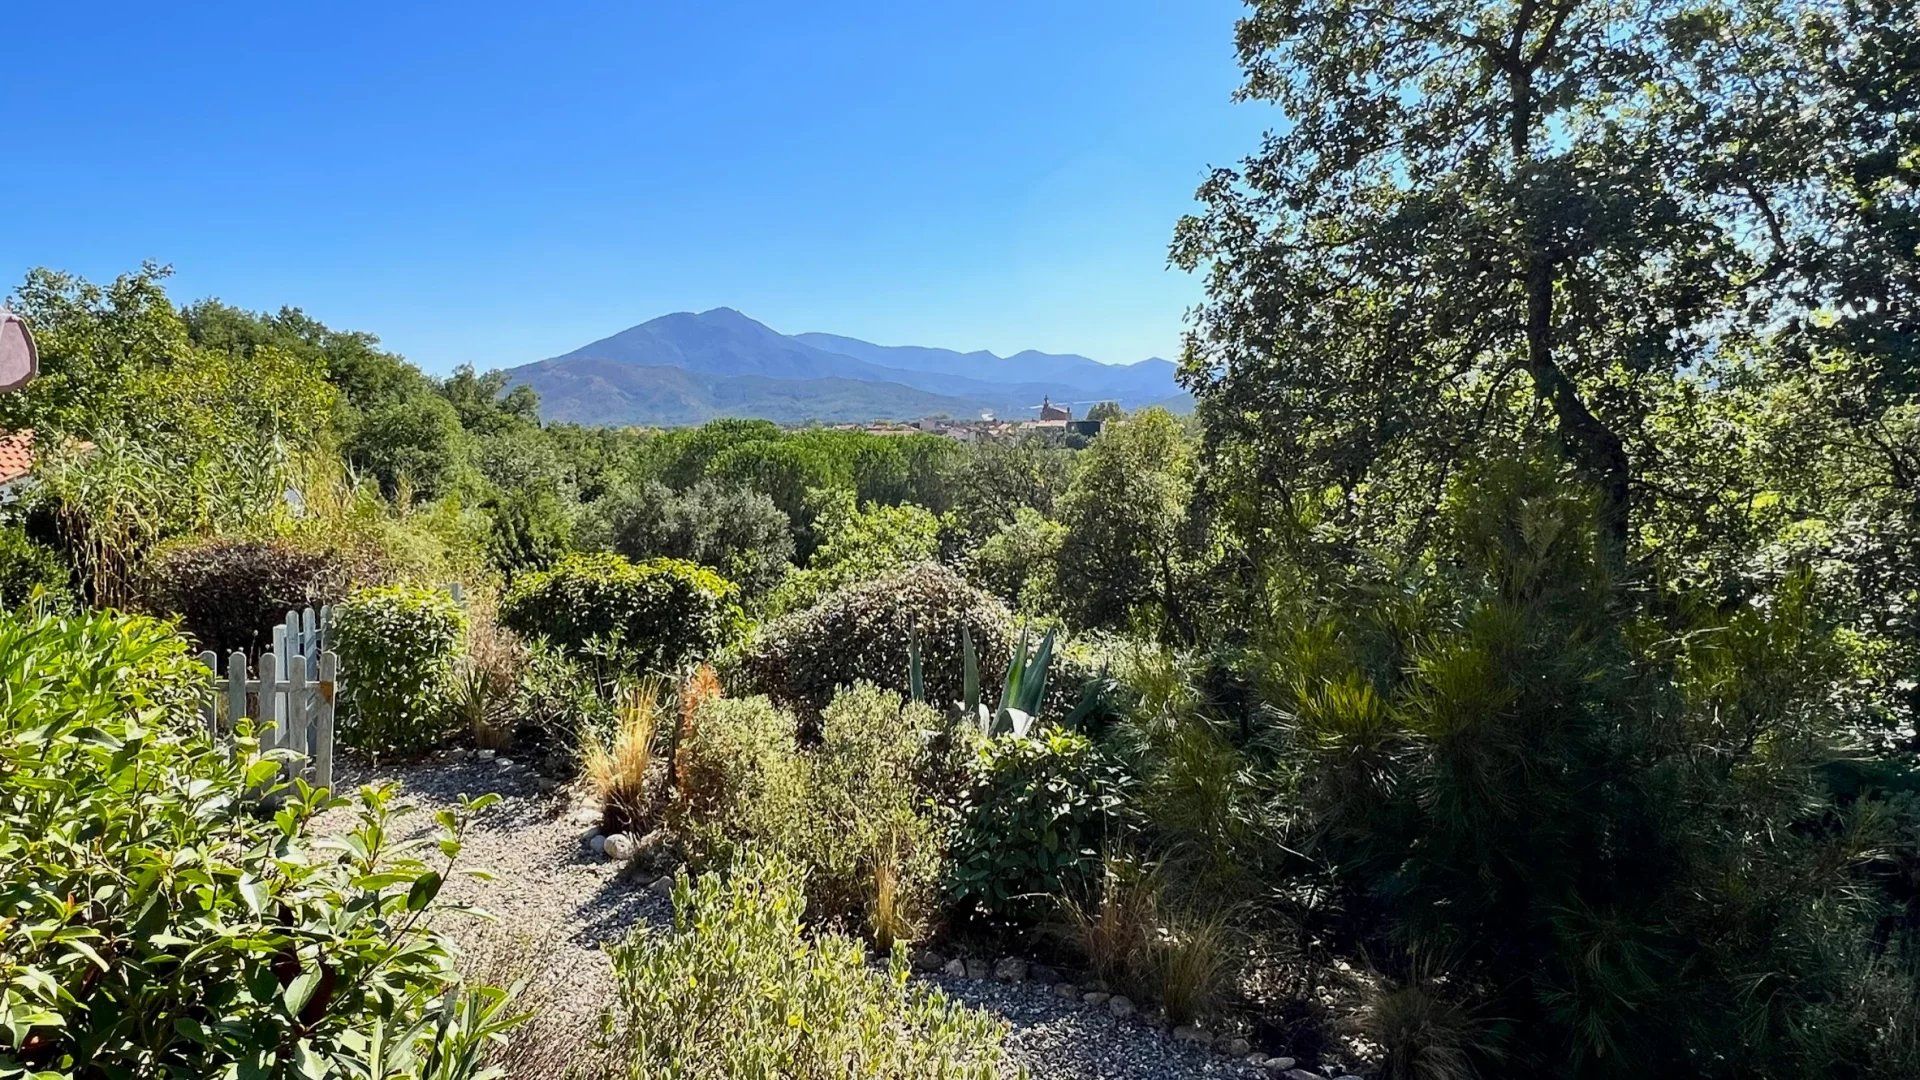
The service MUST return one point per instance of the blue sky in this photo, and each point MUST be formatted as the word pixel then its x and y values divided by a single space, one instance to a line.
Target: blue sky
pixel 495 183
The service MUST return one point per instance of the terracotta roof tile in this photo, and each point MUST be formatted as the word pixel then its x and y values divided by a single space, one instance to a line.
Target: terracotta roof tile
pixel 16 455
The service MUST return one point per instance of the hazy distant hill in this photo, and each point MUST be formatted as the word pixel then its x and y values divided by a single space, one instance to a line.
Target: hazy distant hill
pixel 686 368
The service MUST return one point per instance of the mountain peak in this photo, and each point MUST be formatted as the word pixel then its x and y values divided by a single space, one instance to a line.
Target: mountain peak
pixel 688 366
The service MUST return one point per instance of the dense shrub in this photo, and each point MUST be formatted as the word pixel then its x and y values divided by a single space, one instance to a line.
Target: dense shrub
pixel 738 988
pixel 1032 825
pixel 739 778
pixel 397 646
pixel 868 839
pixel 157 925
pixel 25 565
pixel 849 811
pixel 554 702
pixel 735 530
pixel 230 592
pixel 657 615
pixel 862 633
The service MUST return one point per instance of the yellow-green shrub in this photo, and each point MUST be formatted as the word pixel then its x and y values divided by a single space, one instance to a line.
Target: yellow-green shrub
pixel 658 615
pixel 739 988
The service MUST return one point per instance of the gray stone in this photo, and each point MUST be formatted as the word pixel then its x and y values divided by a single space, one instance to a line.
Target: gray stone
pixel 1190 1034
pixel 662 885
pixel 1302 1074
pixel 1120 1006
pixel 585 815
pixel 596 842
pixel 1010 969
pixel 484 755
pixel 1041 973
pixel 618 848
pixel 955 967
pixel 1096 997
pixel 924 959
pixel 1257 1059
pixel 978 969
pixel 1236 1047
pixel 1279 1066
pixel 1066 990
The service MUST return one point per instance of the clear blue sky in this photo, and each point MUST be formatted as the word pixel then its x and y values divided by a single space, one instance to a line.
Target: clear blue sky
pixel 495 183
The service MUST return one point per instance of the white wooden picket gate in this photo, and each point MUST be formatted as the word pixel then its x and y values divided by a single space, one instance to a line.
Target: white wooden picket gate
pixel 290 698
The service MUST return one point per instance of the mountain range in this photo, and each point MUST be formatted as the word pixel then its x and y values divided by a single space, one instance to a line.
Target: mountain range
pixel 688 368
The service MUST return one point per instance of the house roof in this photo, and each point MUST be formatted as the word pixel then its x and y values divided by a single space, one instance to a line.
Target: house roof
pixel 16 455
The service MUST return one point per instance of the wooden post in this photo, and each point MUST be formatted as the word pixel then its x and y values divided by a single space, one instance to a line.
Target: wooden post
pixel 269 702
pixel 295 724
pixel 236 688
pixel 324 694
pixel 210 711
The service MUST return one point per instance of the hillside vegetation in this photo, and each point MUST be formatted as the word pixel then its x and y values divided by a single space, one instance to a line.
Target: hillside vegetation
pixel 1511 669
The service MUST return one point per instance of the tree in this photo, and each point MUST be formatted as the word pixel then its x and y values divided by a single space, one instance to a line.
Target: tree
pixel 1481 225
pixel 1127 540
pixel 416 441
pixel 858 543
pixel 735 530
pixel 1105 412
pixel 998 476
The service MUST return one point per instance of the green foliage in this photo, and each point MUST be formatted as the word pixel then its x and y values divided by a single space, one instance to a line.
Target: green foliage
pixel 1019 563
pixel 658 615
pixel 1128 547
pixel 1033 823
pixel 26 566
pixel 997 477
pixel 230 592
pixel 737 988
pixel 735 530
pixel 862 633
pixel 413 445
pixel 528 529
pixel 738 778
pixel 1451 756
pixel 159 924
pixel 397 646
pixel 866 815
pixel 857 544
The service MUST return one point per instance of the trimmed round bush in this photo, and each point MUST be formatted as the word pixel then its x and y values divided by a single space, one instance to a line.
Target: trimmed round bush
pixel 397 645
pixel 659 615
pixel 230 592
pixel 861 633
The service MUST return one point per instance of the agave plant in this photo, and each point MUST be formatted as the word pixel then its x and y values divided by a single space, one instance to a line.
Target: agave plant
pixel 1021 692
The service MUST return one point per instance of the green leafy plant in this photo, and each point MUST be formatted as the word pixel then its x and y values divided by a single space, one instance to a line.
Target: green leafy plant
pixel 739 778
pixel 738 988
pixel 159 923
pixel 1032 824
pixel 397 646
pixel 867 835
pixel 659 615
pixel 26 567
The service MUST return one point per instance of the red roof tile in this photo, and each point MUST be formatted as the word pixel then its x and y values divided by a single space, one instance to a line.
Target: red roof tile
pixel 16 455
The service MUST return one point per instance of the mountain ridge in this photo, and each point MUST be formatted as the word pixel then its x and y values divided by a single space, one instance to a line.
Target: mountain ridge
pixel 688 367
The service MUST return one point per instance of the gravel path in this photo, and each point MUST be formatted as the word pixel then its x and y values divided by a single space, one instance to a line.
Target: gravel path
pixel 552 897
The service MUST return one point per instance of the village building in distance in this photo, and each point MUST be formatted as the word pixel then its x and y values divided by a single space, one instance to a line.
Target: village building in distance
pixel 1051 419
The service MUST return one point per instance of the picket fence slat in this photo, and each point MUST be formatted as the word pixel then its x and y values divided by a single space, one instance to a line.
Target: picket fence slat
pixel 290 692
